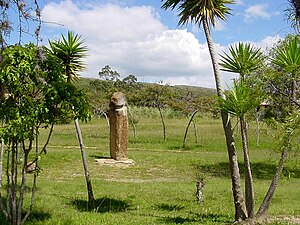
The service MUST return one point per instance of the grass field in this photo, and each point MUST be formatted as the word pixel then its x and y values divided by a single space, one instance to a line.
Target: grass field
pixel 160 187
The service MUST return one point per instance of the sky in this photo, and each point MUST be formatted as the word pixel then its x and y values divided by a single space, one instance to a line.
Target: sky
pixel 138 37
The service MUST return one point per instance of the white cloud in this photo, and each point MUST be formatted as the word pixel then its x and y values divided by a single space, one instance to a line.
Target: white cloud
pixel 132 40
pixel 105 23
pixel 220 25
pixel 239 2
pixel 256 11
pixel 268 42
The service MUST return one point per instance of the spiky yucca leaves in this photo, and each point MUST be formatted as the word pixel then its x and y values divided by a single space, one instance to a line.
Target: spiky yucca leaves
pixel 240 99
pixel 70 51
pixel 287 56
pixel 196 11
pixel 242 59
pixel 293 14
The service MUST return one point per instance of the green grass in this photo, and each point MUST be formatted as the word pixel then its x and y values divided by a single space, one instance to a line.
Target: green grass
pixel 160 187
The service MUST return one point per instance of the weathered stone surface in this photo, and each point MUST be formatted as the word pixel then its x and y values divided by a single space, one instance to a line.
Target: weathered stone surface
pixel 118 121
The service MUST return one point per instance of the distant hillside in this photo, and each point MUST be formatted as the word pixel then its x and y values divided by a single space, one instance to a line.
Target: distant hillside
pixel 198 91
pixel 84 83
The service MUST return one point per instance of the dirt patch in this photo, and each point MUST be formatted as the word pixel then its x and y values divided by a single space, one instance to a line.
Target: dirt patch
pixel 129 180
pixel 286 219
pixel 115 163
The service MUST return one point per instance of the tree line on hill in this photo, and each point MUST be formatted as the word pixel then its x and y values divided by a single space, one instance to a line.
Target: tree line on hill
pixel 37 91
pixel 184 99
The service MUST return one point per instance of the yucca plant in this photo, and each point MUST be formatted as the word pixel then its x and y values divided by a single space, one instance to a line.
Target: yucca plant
pixel 205 13
pixel 70 51
pixel 242 59
pixel 239 101
pixel 287 58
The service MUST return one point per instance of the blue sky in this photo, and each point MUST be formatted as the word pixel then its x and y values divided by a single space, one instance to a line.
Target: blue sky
pixel 138 37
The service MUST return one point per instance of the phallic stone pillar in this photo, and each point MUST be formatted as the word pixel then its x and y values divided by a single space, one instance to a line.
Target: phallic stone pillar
pixel 118 121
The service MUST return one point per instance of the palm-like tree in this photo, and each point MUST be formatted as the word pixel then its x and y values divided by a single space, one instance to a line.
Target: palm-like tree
pixel 240 100
pixel 287 58
pixel 205 13
pixel 243 59
pixel 71 51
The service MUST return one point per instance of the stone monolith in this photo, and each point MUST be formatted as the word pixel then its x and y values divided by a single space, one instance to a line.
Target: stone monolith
pixel 118 121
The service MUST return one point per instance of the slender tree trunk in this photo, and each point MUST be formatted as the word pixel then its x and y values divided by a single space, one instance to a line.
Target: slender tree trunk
pixel 8 185
pixel 257 115
pixel 85 164
pixel 48 139
pixel 294 95
pixel 13 186
pixel 132 123
pixel 107 120
pixel 163 122
pixel 187 128
pixel 240 209
pixel 267 200
pixel 33 189
pixel 1 162
pixel 4 211
pixel 249 190
pixel 22 189
pixel 195 131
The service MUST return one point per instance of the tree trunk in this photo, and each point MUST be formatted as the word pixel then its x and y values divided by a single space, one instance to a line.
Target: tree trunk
pixel 8 184
pixel 22 189
pixel 163 122
pixel 48 139
pixel 107 120
pixel 4 211
pixel 195 131
pixel 294 95
pixel 267 200
pixel 240 209
pixel 249 190
pixel 13 186
pixel 35 174
pixel 257 116
pixel 133 124
pixel 187 128
pixel 1 162
pixel 85 164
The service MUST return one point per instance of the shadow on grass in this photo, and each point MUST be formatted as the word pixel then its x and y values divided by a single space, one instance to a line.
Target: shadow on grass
pixel 101 205
pixel 197 218
pixel 27 189
pixel 186 148
pixel 169 207
pixel 34 217
pixel 260 170
pixel 100 157
pixel 38 216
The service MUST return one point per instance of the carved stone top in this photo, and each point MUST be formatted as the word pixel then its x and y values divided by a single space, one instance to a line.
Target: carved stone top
pixel 117 101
